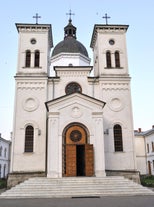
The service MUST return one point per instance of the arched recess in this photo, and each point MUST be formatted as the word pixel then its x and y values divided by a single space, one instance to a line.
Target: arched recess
pixel 77 154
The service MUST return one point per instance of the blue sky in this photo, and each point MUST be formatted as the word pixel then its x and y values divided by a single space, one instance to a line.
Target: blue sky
pixel 139 15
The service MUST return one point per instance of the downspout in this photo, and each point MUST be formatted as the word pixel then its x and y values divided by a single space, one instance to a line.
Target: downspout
pixel 53 89
pixel 93 88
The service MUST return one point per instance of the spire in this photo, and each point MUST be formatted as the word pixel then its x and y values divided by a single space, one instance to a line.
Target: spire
pixel 70 30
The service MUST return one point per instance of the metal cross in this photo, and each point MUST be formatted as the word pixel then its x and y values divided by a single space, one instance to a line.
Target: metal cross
pixel 70 14
pixel 106 18
pixel 37 17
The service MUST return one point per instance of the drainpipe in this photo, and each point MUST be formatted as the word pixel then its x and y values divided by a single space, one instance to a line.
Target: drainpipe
pixel 93 91
pixel 53 88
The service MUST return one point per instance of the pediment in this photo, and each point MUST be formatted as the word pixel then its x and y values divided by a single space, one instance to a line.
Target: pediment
pixel 75 99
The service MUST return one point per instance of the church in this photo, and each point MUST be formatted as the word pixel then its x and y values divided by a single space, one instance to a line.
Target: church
pixel 71 118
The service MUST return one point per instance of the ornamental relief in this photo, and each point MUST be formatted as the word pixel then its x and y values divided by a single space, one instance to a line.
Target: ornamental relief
pixel 30 104
pixel 116 104
pixel 76 112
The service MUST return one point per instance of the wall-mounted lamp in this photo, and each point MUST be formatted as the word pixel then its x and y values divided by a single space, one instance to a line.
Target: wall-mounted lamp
pixel 39 132
pixel 106 131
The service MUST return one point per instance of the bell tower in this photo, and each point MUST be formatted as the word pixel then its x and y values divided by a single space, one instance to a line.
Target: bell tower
pixel 29 128
pixel 35 42
pixel 111 71
pixel 109 49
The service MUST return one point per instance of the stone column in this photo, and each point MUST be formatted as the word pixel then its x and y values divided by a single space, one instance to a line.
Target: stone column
pixel 53 147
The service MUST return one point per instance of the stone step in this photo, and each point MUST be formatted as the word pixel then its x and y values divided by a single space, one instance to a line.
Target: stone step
pixel 75 187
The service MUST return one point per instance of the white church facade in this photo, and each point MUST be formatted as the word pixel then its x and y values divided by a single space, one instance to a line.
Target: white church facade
pixel 77 122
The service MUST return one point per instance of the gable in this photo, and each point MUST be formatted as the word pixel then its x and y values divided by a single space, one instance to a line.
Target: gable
pixel 82 100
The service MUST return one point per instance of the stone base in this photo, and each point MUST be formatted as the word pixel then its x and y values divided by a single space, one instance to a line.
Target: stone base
pixel 132 175
pixel 19 177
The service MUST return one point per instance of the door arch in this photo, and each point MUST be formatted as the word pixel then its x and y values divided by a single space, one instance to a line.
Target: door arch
pixel 77 153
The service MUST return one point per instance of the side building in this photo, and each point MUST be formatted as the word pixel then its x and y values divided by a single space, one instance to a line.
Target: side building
pixel 5 146
pixel 144 143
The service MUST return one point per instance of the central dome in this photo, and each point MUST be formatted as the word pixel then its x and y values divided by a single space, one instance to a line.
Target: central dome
pixel 70 44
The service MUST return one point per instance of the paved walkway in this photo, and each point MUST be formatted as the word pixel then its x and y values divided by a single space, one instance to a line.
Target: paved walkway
pixel 133 201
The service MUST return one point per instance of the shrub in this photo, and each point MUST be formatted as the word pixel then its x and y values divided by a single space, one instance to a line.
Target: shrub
pixel 3 183
pixel 147 181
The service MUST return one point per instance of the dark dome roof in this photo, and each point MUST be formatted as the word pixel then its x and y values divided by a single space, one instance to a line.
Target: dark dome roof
pixel 70 45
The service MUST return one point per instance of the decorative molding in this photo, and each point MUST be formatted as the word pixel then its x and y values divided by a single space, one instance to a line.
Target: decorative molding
pixel 115 86
pixel 33 28
pixel 31 85
pixel 98 121
pixel 73 73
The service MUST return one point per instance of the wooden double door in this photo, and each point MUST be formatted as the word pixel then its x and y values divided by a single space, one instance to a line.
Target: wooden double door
pixel 78 156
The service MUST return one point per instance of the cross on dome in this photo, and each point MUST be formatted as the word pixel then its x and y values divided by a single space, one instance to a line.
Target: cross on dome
pixel 70 14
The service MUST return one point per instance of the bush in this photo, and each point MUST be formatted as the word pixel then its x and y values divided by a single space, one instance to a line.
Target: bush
pixel 147 181
pixel 3 183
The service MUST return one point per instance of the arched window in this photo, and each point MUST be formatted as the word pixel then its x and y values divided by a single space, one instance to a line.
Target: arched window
pixel 117 59
pixel 1 149
pixel 118 145
pixel 28 59
pixel 72 88
pixel 37 58
pixel 108 59
pixel 29 139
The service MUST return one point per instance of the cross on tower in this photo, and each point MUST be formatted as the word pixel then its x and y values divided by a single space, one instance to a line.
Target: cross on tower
pixel 106 18
pixel 70 14
pixel 37 17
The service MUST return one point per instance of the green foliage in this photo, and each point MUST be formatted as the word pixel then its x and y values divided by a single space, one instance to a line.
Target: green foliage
pixel 3 183
pixel 147 181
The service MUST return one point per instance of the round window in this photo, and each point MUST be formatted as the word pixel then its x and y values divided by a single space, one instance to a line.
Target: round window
pixel 111 42
pixel 33 41
pixel 75 136
pixel 72 88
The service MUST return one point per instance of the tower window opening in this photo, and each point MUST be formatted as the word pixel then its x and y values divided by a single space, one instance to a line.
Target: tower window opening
pixel 37 58
pixel 118 145
pixel 28 59
pixel 108 59
pixel 117 59
pixel 29 138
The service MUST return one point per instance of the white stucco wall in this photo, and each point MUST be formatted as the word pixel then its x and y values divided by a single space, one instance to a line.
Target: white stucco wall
pixel 140 146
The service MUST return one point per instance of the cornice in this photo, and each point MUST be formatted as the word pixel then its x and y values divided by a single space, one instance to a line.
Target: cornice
pixel 104 28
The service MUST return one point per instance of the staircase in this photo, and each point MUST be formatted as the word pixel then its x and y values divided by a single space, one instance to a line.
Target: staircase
pixel 76 187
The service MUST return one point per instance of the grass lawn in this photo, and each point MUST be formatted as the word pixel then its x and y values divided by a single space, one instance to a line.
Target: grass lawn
pixel 147 181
